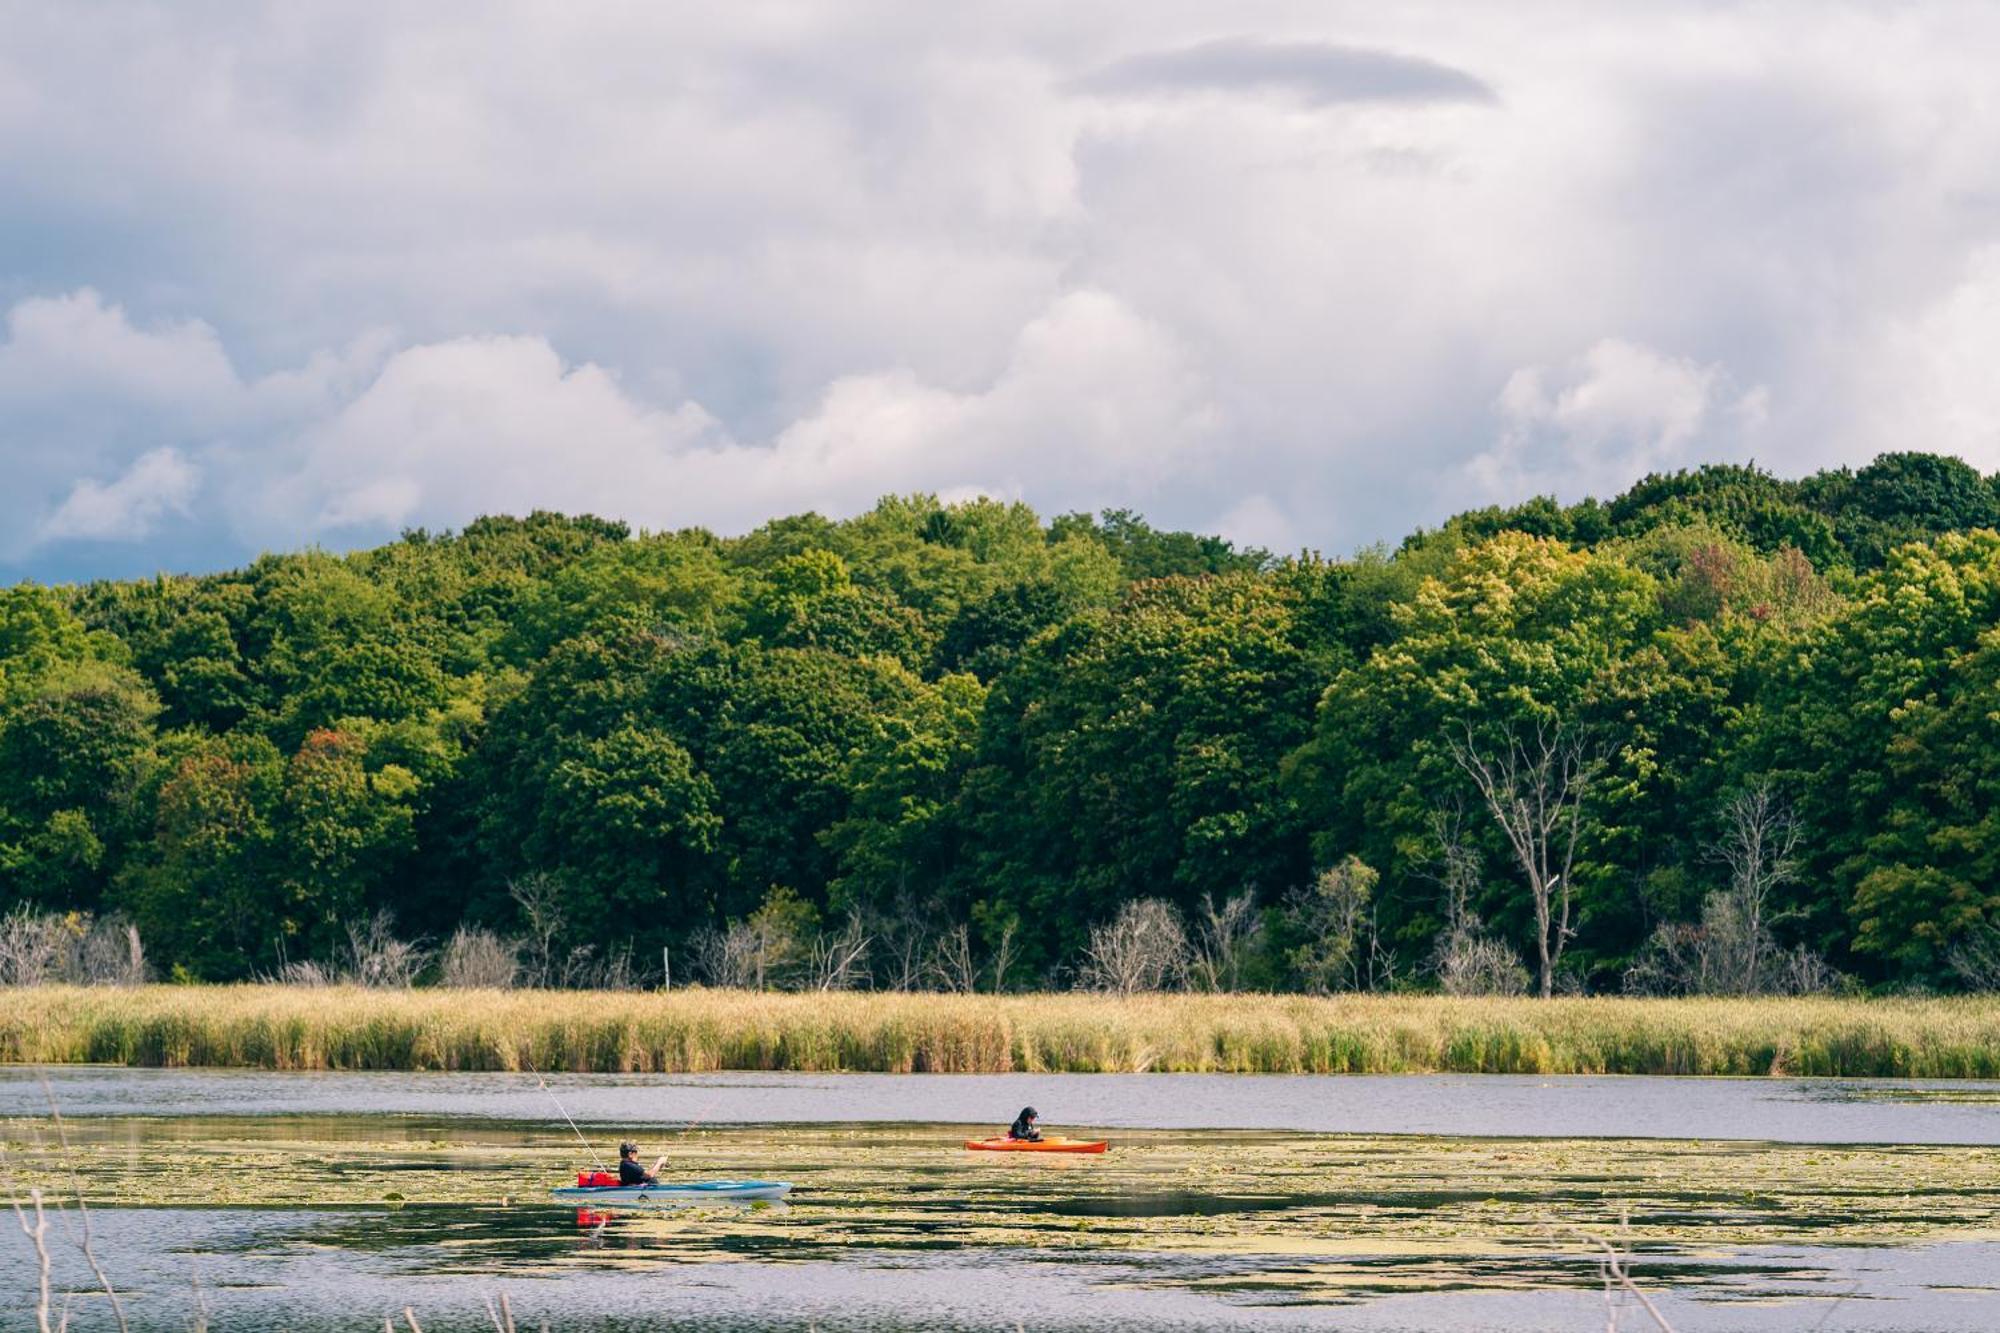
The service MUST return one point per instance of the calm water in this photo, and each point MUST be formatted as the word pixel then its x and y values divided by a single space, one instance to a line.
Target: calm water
pixel 1778 1110
pixel 306 1271
pixel 328 1201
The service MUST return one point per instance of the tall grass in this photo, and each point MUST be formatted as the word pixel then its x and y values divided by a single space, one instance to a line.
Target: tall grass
pixel 277 1027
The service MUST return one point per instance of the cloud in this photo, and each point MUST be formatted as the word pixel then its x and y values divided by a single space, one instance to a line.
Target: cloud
pixel 1257 520
pixel 125 509
pixel 1317 73
pixel 77 344
pixel 1094 403
pixel 1614 413
pixel 1093 406
pixel 1932 375
pixel 704 265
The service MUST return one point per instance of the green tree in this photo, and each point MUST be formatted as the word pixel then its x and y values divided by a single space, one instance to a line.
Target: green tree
pixel 900 841
pixel 201 890
pixel 1516 634
pixel 1135 754
pixel 1882 723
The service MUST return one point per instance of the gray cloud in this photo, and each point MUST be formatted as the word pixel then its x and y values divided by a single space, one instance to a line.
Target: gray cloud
pixel 271 276
pixel 1319 73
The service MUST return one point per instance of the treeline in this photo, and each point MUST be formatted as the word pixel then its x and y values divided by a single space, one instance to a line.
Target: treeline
pixel 1725 732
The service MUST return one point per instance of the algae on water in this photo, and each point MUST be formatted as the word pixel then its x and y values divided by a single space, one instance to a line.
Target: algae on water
pixel 912 1186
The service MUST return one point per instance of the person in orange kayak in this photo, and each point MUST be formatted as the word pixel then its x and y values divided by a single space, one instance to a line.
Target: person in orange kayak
pixel 1024 1128
pixel 629 1170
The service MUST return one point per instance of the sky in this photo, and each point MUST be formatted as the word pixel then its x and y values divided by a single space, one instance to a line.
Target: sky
pixel 1305 274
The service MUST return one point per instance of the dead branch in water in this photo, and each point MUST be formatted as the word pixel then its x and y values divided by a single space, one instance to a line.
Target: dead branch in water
pixel 38 1236
pixel 86 1239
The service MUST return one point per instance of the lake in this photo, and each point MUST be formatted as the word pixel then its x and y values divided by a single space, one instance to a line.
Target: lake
pixel 327 1201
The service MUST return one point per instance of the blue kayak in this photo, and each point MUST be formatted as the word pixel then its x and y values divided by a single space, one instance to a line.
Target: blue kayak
pixel 669 1191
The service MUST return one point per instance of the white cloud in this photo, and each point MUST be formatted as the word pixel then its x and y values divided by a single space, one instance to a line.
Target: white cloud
pixel 76 344
pixel 1257 520
pixel 127 508
pixel 1607 417
pixel 1092 403
pixel 709 264
pixel 1933 378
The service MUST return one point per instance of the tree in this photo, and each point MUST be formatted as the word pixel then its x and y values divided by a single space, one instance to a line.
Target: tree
pixel 74 755
pixel 1138 753
pixel 1760 841
pixel 1223 935
pixel 1901 498
pixel 900 840
pixel 809 600
pixel 1329 918
pixel 1465 959
pixel 201 891
pixel 342 828
pixel 1143 948
pixel 1880 725
pixel 1513 637
pixel 1535 789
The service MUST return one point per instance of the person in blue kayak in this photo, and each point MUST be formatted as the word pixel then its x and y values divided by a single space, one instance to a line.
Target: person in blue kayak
pixel 1024 1127
pixel 629 1170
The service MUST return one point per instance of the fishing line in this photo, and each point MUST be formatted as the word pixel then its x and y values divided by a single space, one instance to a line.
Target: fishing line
pixel 587 1147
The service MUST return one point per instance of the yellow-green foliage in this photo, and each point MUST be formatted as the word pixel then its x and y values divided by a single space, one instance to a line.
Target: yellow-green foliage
pixel 277 1027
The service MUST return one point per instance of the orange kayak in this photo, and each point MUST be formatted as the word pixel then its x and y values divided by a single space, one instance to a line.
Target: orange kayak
pixel 1045 1145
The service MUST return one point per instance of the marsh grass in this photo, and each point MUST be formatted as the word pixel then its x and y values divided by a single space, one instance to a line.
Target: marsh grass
pixel 278 1027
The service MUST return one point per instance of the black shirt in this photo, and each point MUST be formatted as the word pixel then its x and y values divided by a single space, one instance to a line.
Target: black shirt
pixel 631 1173
pixel 1025 1129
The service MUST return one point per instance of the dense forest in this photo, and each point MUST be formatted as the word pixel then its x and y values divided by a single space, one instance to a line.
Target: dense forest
pixel 1725 732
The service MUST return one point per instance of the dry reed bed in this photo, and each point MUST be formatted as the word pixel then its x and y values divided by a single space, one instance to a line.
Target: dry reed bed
pixel 277 1027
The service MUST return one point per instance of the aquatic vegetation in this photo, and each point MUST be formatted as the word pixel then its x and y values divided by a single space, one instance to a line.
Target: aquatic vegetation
pixel 912 1187
pixel 277 1027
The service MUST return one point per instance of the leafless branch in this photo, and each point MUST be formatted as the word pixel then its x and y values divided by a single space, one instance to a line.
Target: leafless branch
pixel 84 1242
pixel 38 1236
pixel 1535 787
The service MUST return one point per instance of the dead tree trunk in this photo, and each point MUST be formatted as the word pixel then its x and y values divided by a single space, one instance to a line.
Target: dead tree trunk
pixel 1534 787
pixel 1759 845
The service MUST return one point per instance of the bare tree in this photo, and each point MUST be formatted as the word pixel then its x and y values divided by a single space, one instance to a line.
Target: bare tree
pixel 837 960
pixel 1143 948
pixel 33 947
pixel 41 948
pixel 1976 960
pixel 951 966
pixel 772 948
pixel 1455 866
pixel 1222 934
pixel 727 957
pixel 1535 787
pixel 376 958
pixel 1760 841
pixel 1478 965
pixel 1466 960
pixel 538 895
pixel 111 954
pixel 303 972
pixel 614 970
pixel 1731 950
pixel 903 937
pixel 1002 958
pixel 476 959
